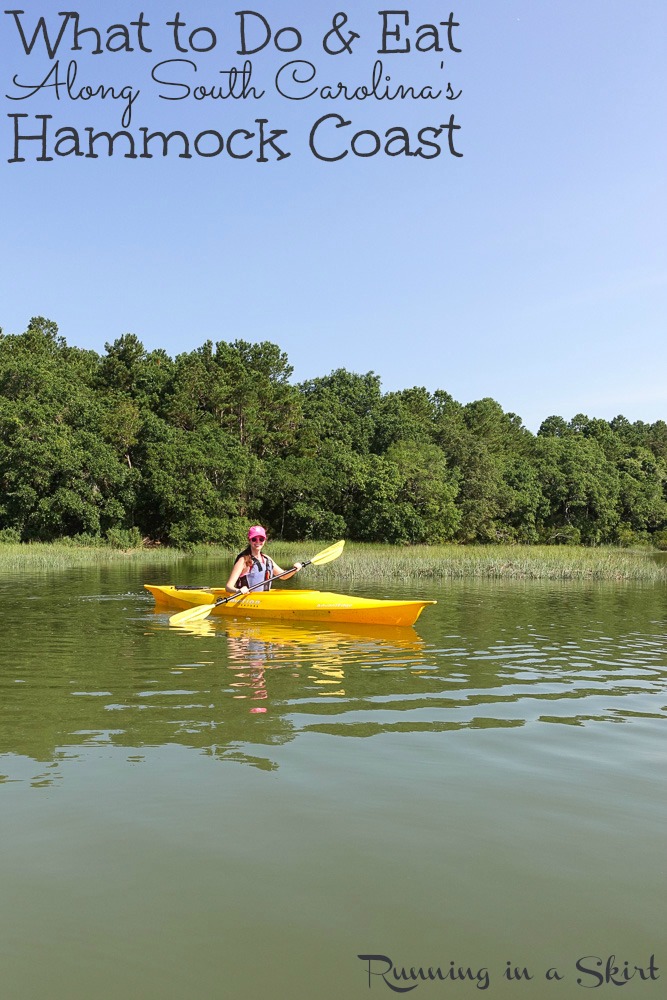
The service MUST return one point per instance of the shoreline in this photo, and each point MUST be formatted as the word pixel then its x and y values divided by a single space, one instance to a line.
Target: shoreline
pixel 363 561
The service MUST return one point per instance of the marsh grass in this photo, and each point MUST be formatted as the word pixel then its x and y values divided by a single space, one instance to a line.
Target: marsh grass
pixel 519 562
pixel 52 555
pixel 489 561
pixel 367 562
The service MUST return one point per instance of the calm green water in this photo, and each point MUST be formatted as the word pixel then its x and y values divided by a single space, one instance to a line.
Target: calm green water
pixel 240 810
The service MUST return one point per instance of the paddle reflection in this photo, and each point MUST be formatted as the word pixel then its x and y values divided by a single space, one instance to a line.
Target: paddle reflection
pixel 195 628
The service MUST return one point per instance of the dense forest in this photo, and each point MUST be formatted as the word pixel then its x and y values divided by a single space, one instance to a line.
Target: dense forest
pixel 136 445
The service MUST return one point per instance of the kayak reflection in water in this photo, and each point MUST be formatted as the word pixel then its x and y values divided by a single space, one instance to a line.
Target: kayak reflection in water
pixel 252 567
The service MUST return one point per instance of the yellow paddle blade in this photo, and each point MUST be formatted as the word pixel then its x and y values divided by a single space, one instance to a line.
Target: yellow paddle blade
pixel 328 555
pixel 191 614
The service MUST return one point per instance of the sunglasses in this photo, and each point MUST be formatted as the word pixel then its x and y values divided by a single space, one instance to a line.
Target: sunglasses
pixel 258 538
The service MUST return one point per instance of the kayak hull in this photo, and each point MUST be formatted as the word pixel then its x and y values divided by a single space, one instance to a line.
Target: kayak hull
pixel 294 605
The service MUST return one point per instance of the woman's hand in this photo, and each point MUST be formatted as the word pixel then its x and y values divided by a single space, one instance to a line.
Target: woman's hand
pixel 297 566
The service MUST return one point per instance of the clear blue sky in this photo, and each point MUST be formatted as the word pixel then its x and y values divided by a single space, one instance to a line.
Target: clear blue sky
pixel 531 269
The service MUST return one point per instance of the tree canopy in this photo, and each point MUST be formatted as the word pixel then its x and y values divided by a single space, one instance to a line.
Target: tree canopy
pixel 193 448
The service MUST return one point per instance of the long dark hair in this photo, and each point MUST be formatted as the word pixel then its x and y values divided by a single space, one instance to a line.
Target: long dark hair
pixel 247 556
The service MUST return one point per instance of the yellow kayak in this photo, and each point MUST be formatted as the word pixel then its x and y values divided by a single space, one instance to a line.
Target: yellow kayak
pixel 294 605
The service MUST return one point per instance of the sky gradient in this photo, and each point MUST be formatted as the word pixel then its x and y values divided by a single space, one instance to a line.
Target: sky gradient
pixel 530 269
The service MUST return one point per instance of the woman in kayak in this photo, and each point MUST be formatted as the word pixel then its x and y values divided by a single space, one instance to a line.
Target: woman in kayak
pixel 252 567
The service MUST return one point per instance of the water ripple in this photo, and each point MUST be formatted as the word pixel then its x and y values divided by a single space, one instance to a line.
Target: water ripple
pixel 485 657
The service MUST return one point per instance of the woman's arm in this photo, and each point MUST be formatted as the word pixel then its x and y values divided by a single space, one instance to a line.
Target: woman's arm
pixel 237 571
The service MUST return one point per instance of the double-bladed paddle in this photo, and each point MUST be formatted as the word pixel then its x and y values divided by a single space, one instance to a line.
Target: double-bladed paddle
pixel 204 610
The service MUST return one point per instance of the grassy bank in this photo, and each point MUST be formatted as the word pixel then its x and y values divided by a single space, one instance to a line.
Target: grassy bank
pixel 521 562
pixel 363 562
pixel 54 555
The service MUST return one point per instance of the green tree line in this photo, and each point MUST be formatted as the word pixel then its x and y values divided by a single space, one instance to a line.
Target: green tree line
pixel 134 443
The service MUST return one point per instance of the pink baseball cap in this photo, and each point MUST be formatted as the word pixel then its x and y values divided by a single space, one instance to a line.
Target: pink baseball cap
pixel 255 531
